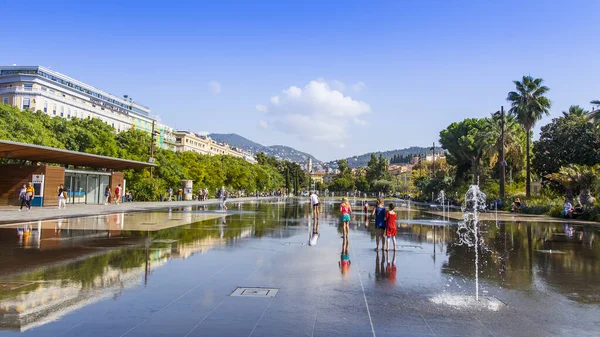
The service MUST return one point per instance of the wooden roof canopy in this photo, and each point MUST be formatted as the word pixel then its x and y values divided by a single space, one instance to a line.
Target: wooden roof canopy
pixel 15 150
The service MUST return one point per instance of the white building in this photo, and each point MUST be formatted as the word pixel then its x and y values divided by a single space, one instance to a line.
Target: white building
pixel 37 88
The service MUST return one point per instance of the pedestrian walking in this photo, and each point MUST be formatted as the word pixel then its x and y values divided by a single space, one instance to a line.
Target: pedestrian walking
pixel 62 197
pixel 224 200
pixel 346 210
pixel 390 225
pixel 29 195
pixel 106 195
pixel 23 197
pixel 170 194
pixel 118 194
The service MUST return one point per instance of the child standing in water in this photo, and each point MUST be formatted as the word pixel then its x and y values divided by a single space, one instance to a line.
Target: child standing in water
pixel 390 225
pixel 345 209
pixel 379 214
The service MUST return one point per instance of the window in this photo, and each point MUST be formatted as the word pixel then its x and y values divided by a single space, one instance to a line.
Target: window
pixel 62 111
pixel 69 113
pixel 26 103
pixel 28 86
pixel 54 110
pixel 45 106
pixel 5 100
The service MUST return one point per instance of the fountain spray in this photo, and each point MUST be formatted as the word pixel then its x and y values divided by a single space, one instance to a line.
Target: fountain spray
pixel 468 228
pixel 441 198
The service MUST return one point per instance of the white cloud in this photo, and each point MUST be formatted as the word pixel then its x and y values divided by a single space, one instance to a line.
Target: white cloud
pixel 316 113
pixel 215 87
pixel 359 86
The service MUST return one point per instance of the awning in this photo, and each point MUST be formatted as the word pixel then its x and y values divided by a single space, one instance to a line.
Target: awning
pixel 15 150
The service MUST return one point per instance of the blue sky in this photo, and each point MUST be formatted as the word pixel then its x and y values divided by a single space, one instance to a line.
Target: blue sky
pixel 348 77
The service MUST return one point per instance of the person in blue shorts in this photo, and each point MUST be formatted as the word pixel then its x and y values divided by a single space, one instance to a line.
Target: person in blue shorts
pixel 379 214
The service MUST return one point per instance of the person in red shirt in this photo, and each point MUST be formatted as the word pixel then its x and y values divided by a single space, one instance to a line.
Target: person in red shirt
pixel 390 225
pixel 118 194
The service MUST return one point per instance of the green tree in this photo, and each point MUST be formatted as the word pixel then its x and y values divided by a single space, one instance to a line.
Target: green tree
pixel 580 177
pixel 466 143
pixel 529 104
pixel 514 140
pixel 566 140
pixel 343 166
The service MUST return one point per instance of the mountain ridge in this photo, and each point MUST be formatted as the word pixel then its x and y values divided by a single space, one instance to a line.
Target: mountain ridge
pixel 277 151
pixel 363 159
pixel 288 153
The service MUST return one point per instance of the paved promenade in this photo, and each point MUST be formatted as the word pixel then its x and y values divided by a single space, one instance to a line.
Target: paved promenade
pixel 12 214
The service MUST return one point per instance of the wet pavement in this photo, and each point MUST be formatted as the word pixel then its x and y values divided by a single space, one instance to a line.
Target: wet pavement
pixel 173 273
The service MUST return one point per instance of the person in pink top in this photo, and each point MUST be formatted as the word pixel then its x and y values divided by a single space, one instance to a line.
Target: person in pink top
pixel 345 209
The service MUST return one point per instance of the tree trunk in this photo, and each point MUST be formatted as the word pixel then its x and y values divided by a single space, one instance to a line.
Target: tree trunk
pixel 474 168
pixel 528 169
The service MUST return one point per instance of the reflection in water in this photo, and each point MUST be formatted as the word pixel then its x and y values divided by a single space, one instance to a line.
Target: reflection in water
pixel 51 268
pixel 344 263
pixel 314 235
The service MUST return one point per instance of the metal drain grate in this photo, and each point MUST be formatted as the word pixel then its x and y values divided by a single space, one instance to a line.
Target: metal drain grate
pixel 255 292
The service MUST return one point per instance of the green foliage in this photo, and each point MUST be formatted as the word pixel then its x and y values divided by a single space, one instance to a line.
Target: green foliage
pixel 529 104
pixel 566 140
pixel 466 143
pixel 94 136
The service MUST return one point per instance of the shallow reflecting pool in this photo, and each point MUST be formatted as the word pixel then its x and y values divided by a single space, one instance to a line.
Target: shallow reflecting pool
pixel 171 273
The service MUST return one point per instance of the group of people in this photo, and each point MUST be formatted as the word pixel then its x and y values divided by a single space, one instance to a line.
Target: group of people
pixel 385 224
pixel 569 211
pixel 117 195
pixel 385 221
pixel 202 195
pixel 26 195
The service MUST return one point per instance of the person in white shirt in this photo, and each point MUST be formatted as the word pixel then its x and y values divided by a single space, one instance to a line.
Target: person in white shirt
pixel 314 201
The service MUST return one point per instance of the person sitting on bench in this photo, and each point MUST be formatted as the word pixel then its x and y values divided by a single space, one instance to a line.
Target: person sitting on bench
pixel 516 206
pixel 567 211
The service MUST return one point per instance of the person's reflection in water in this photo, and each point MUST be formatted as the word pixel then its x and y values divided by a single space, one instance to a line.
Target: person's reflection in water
pixel 366 221
pixel 344 257
pixel 390 268
pixel 222 227
pixel 314 237
pixel 380 266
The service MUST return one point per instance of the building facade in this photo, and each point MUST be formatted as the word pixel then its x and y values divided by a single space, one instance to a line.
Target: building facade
pixel 38 88
pixel 191 141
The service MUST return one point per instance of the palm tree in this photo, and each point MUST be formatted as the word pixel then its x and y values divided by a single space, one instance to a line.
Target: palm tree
pixel 529 104
pixel 579 177
pixel 595 114
pixel 576 111
pixel 513 133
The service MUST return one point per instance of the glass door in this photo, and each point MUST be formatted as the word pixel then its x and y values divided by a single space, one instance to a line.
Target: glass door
pixel 92 189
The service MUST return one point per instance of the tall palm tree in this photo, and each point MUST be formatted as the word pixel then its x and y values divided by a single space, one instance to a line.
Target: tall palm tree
pixel 576 111
pixel 513 133
pixel 529 104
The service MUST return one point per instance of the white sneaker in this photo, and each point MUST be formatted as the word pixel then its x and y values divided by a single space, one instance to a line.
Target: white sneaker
pixel 19 210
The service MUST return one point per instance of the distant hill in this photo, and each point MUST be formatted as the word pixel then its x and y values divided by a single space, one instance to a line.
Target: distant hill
pixel 277 151
pixel 362 160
